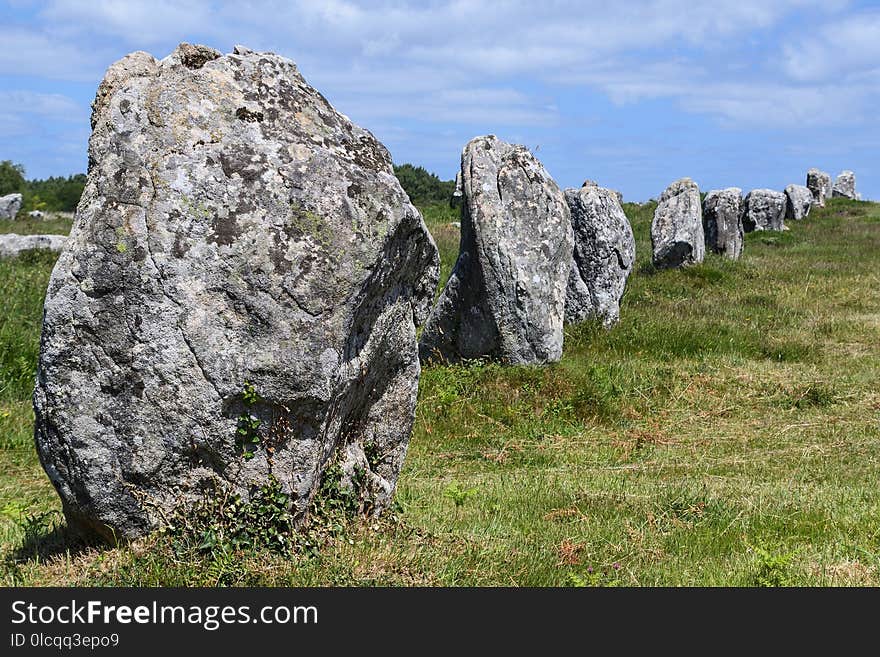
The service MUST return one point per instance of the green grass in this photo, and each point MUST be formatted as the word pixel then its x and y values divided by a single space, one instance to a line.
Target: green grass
pixel 54 225
pixel 726 432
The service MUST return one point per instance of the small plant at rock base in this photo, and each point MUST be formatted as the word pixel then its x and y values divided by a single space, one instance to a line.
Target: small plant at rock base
pixel 34 527
pixel 373 454
pixel 247 436
pixel 336 503
pixel 224 522
pixel 334 497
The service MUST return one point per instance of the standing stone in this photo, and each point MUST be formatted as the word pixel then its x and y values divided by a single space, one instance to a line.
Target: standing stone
pixel 722 221
pixel 819 183
pixel 9 206
pixel 603 257
pixel 242 253
pixel 593 183
pixel 845 186
pixel 12 245
pixel 455 201
pixel 677 234
pixel 798 201
pixel 764 210
pixel 505 298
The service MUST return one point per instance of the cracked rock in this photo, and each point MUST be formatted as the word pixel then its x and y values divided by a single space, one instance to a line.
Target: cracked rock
pixel 10 205
pixel 798 201
pixel 764 209
pixel 819 184
pixel 235 231
pixel 722 221
pixel 845 186
pixel 603 257
pixel 677 234
pixel 505 298
pixel 12 245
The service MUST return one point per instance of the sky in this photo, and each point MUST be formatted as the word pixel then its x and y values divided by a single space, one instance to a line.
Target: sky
pixel 632 94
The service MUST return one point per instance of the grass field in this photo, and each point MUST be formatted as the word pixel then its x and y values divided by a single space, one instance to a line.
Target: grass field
pixel 53 225
pixel 726 432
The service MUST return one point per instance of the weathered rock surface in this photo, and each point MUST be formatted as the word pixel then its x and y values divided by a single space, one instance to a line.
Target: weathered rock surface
pixel 593 183
pixel 236 235
pixel 722 221
pixel 819 183
pixel 764 210
pixel 603 256
pixel 9 206
pixel 677 234
pixel 845 186
pixel 12 245
pixel 36 214
pixel 798 201
pixel 505 298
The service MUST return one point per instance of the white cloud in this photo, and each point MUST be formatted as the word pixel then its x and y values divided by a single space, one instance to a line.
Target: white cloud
pixel 393 65
pixel 33 53
pixel 54 106
pixel 132 21
pixel 26 112
pixel 842 49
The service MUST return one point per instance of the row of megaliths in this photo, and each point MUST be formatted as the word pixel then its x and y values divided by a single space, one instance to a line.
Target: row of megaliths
pixel 243 250
pixel 684 226
pixel 531 258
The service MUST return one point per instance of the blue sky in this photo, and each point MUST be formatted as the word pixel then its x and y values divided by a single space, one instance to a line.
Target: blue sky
pixel 633 94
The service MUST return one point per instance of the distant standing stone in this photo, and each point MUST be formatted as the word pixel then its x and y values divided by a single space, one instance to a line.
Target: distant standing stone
pixel 12 245
pixel 798 201
pixel 505 298
pixel 819 184
pixel 9 206
pixel 455 201
pixel 603 257
pixel 845 185
pixel 722 221
pixel 764 210
pixel 677 234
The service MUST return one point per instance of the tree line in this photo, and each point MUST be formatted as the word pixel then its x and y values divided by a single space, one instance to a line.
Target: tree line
pixel 423 187
pixel 61 194
pixel 53 194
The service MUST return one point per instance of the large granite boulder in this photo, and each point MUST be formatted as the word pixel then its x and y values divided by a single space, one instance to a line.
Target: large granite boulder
pixel 238 299
pixel 505 298
pixel 798 201
pixel 819 183
pixel 722 221
pixel 12 245
pixel 764 209
pixel 603 256
pixel 845 186
pixel 9 206
pixel 677 234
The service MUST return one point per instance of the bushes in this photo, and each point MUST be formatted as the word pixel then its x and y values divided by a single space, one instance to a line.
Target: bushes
pixel 423 187
pixel 11 178
pixel 54 194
